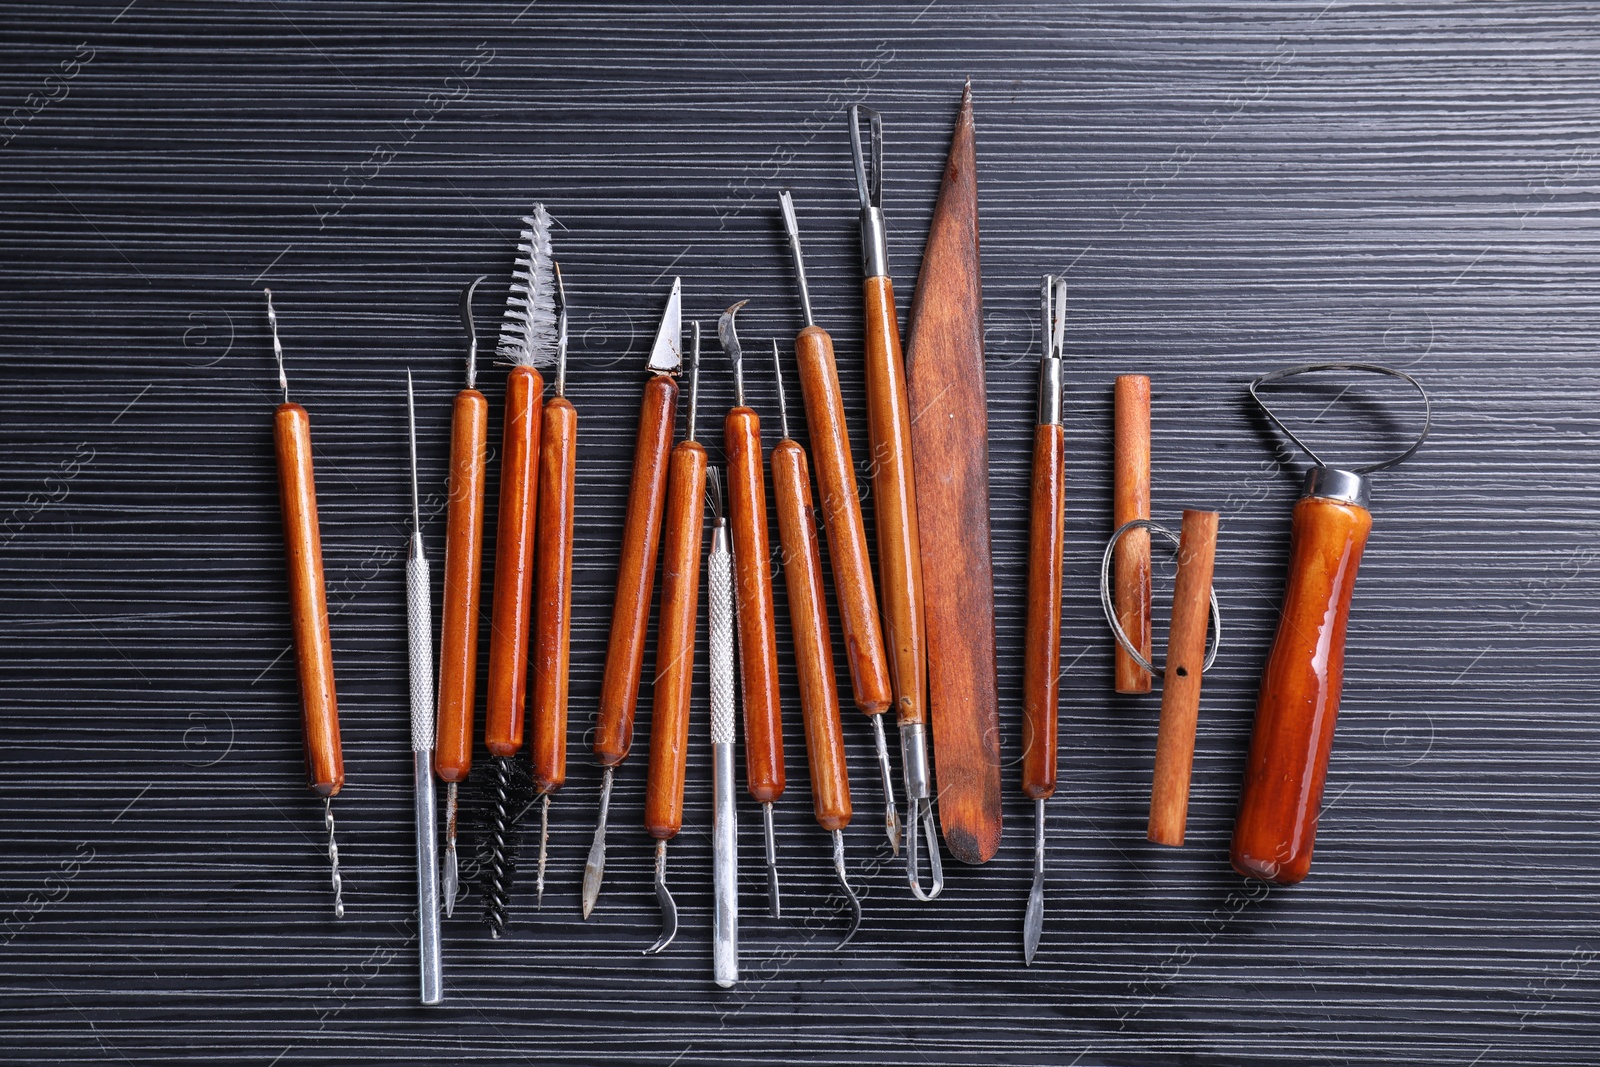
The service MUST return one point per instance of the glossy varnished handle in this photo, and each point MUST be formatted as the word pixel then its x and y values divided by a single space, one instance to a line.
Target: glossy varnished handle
pixel 813 653
pixel 680 610
pixel 463 573
pixel 1299 700
pixel 1131 500
pixel 513 563
pixel 841 517
pixel 636 572
pixel 1041 657
pixel 308 599
pixel 552 594
pixel 758 640
pixel 894 496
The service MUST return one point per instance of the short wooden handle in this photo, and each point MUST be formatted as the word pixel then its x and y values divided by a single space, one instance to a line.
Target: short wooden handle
pixel 308 600
pixel 758 639
pixel 1131 500
pixel 680 610
pixel 1041 657
pixel 513 563
pixel 894 496
pixel 552 594
pixel 1180 681
pixel 463 575
pixel 636 572
pixel 1299 701
pixel 841 517
pixel 813 652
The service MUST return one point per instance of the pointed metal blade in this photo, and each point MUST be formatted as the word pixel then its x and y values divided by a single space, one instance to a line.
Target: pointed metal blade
pixel 667 355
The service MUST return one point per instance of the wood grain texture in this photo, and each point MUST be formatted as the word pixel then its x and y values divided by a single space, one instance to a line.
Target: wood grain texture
pixel 308 600
pixel 1180 679
pixel 1130 563
pixel 1041 656
pixel 463 579
pixel 1300 690
pixel 894 499
pixel 848 555
pixel 949 439
pixel 513 563
pixel 636 571
pixel 813 651
pixel 757 619
pixel 682 535
pixel 552 594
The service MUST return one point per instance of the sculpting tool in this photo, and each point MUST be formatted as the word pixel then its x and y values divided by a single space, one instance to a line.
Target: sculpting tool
pixel 1130 501
pixel 724 817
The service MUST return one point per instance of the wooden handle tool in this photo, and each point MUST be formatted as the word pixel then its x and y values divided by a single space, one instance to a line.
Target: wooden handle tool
pixel 1131 500
pixel 636 575
pixel 758 640
pixel 308 605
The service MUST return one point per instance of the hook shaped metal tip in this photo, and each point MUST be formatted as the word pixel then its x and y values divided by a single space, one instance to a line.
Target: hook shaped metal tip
pixel 1365 368
pixel 844 884
pixel 669 907
pixel 471 327
pixel 561 331
pixel 921 810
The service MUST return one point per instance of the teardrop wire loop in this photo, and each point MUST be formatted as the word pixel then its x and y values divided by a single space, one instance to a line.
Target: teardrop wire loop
pixel 1368 368
pixel 1111 612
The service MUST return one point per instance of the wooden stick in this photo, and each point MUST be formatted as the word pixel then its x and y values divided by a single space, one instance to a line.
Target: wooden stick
pixel 552 594
pixel 1131 500
pixel 513 563
pixel 1041 657
pixel 463 574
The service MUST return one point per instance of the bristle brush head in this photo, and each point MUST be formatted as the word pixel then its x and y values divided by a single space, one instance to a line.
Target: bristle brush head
pixel 528 335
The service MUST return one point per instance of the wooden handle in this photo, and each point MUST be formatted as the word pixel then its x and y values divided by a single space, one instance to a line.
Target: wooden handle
pixel 1180 681
pixel 813 651
pixel 513 563
pixel 1041 657
pixel 758 639
pixel 308 599
pixel 636 572
pixel 680 612
pixel 1131 500
pixel 463 574
pixel 894 495
pixel 1299 701
pixel 841 517
pixel 552 594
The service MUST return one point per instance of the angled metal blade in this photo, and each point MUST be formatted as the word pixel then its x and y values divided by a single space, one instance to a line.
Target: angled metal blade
pixel 667 355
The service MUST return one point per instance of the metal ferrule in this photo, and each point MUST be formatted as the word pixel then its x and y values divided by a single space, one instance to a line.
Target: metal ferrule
pixel 724 868
pixel 1331 483
pixel 1049 391
pixel 428 880
pixel 914 760
pixel 874 243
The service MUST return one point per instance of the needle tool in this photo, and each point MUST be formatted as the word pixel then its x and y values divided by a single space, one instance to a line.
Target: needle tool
pixel 724 816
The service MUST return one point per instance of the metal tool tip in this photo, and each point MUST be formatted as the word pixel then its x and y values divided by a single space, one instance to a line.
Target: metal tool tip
pixel 594 869
pixel 669 907
pixel 922 809
pixel 891 814
pixel 544 841
pixel 844 883
pixel 333 859
pixel 1033 920
pixel 472 329
pixel 774 904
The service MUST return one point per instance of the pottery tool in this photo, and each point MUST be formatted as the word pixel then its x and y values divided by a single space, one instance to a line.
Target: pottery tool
pixel 841 517
pixel 950 448
pixel 463 573
pixel 758 640
pixel 636 574
pixel 813 650
pixel 894 495
pixel 528 339
pixel 419 635
pixel 308 605
pixel 724 814
pixel 1041 656
pixel 1130 500
pixel 1300 687
pixel 680 613
pixel 552 587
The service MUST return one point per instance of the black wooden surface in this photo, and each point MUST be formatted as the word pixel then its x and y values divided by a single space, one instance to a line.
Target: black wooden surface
pixel 1229 187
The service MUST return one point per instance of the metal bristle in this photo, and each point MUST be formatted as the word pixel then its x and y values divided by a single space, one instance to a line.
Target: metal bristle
pixel 529 336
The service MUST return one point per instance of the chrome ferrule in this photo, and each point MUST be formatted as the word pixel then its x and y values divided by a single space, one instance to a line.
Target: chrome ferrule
pixel 914 760
pixel 874 243
pixel 1331 483
pixel 1049 391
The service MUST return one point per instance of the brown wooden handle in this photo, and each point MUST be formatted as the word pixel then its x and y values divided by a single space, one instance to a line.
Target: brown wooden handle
pixel 552 594
pixel 680 613
pixel 841 517
pixel 463 575
pixel 758 639
pixel 513 563
pixel 1131 500
pixel 813 651
pixel 1180 681
pixel 636 572
pixel 308 599
pixel 1041 657
pixel 1299 701
pixel 894 496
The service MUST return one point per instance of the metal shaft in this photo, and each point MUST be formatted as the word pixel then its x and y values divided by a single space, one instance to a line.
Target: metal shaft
pixel 774 903
pixel 333 859
pixel 450 875
pixel 844 884
pixel 1033 922
pixel 891 813
pixel 724 824
pixel 919 808
pixel 594 869
pixel 419 632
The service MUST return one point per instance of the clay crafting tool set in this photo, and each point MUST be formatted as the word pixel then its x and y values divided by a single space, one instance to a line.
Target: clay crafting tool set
pixel 915 621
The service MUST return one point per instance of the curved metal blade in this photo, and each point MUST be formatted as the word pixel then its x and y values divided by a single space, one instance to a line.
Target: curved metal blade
pixel 1033 921
pixel 669 907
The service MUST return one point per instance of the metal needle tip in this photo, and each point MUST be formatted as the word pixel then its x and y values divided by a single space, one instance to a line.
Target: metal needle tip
pixel 1033 922
pixel 669 907
pixel 844 883
pixel 783 406
pixel 774 905
pixel 411 422
pixel 451 875
pixel 891 814
pixel 595 868
pixel 472 330
pixel 277 348
pixel 544 841
pixel 333 859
